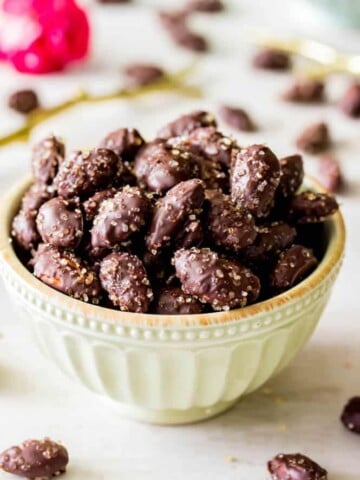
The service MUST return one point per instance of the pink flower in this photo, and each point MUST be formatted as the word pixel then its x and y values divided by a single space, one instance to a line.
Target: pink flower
pixel 42 36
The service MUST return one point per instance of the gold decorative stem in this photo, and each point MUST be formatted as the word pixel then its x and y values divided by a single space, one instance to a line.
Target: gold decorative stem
pixel 329 59
pixel 169 83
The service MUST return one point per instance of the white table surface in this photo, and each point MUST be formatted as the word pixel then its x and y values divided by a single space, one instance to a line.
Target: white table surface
pixel 301 413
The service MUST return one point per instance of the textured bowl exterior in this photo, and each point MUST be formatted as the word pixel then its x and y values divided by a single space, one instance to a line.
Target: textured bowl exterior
pixel 170 372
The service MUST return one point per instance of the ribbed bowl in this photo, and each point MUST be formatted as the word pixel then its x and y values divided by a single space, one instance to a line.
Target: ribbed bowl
pixel 169 369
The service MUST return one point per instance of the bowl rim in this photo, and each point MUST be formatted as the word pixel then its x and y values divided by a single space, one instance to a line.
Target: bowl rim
pixel 331 259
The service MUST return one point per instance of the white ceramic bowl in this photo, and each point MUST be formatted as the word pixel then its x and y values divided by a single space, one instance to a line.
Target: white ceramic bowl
pixel 169 369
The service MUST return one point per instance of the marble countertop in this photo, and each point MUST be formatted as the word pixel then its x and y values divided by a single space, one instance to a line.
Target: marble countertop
pixel 297 411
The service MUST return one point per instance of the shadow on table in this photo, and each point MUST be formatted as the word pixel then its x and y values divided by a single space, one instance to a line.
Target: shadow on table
pixel 298 411
pixel 320 376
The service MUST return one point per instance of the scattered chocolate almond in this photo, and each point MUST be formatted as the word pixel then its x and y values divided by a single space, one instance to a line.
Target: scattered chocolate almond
pixel 206 6
pixel 305 91
pixel 295 466
pixel 140 74
pixel 350 102
pixel 35 459
pixel 24 101
pixel 190 40
pixel 329 173
pixel 176 25
pixel 172 20
pixel 314 139
pixel 236 118
pixel 350 416
pixel 270 59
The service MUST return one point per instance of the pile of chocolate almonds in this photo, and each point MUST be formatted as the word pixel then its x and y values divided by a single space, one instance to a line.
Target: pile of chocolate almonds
pixel 189 222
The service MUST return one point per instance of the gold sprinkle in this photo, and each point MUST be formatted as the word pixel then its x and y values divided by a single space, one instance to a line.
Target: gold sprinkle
pixel 170 83
pixel 230 459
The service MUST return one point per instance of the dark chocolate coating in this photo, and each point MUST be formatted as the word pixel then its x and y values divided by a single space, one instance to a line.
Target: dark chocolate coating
pixel 60 223
pixel 183 203
pixel 124 277
pixel 158 266
pixel 293 265
pixel 35 459
pixel 186 124
pixel 205 6
pixel 208 168
pixel 295 466
pixel 270 59
pixel 173 301
pixel 291 175
pixel 91 205
pixel 24 101
pixel 350 416
pixel 159 166
pixel 254 178
pixel 236 118
pixel 314 139
pixel 187 38
pixel 64 271
pixel 190 188
pixel 47 156
pixel 140 74
pixel 329 173
pixel 305 91
pixel 270 241
pixel 172 20
pixel 229 226
pixel 119 218
pixel 83 173
pixel 212 144
pixel 350 102
pixel 24 231
pixel 125 142
pixel 191 235
pixel 312 207
pixel 35 197
pixel 224 284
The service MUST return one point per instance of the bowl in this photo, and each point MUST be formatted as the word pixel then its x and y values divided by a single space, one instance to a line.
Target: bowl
pixel 169 369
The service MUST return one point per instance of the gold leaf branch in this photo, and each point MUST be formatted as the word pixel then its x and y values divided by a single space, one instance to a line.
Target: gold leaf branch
pixel 169 83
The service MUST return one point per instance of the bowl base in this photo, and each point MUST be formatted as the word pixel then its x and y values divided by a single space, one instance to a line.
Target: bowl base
pixel 170 417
